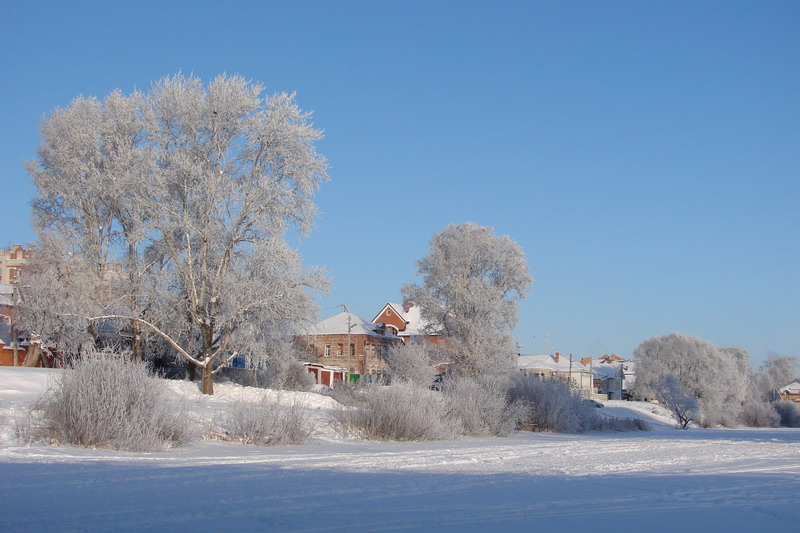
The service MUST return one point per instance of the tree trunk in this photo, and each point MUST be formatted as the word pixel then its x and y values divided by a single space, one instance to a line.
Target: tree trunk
pixel 32 357
pixel 137 341
pixel 207 333
pixel 207 385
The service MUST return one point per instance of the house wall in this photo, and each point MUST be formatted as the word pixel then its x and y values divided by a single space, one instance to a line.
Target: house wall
pixel 367 349
pixel 12 261
pixel 389 317
pixel 7 355
pixel 580 380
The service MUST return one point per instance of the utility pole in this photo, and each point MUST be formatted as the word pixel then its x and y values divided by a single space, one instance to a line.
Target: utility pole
pixel 14 332
pixel 349 328
pixel 570 370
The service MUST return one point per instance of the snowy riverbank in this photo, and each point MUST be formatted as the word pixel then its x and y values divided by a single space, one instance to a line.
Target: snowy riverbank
pixel 662 480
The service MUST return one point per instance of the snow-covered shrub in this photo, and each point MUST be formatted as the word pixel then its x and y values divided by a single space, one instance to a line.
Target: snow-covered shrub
pixel 718 414
pixel 480 407
pixel 789 413
pixel 346 393
pixel 758 413
pixel 268 421
pixel 108 402
pixel 551 406
pixel 401 412
pixel 412 363
pixel 297 378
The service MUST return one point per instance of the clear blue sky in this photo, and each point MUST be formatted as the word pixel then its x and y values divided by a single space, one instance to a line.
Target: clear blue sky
pixel 646 155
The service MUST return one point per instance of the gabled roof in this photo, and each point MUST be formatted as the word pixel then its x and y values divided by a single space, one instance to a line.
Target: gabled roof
pixel 339 325
pixel 415 324
pixel 548 362
pixel 791 388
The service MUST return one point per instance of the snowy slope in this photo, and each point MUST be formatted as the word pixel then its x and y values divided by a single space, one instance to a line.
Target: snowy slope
pixel 663 480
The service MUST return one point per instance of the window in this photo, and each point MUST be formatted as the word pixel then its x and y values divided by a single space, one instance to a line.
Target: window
pixel 327 350
pixel 339 350
pixel 352 349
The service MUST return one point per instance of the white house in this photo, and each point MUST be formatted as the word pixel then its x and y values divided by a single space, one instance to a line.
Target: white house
pixel 559 366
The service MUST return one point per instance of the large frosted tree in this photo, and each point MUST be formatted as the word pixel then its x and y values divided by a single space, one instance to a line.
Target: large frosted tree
pixel 180 199
pixel 472 281
pixel 717 378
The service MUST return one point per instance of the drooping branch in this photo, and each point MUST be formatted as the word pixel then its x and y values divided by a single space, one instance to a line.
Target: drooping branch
pixel 152 327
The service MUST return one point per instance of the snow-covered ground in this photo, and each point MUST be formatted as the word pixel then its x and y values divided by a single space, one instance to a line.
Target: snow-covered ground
pixel 662 480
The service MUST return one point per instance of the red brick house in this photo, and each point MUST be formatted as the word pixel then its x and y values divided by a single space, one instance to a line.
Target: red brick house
pixel 6 330
pixel 404 321
pixel 349 342
pixel 791 392
pixel 12 261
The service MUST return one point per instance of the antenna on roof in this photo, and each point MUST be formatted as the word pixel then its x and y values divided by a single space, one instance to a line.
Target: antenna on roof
pixel 343 306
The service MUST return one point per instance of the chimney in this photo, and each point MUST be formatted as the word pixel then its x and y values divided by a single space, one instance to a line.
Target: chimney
pixel 407 308
pixel 557 357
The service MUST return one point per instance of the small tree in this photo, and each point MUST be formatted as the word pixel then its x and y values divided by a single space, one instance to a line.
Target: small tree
pixel 683 405
pixel 471 283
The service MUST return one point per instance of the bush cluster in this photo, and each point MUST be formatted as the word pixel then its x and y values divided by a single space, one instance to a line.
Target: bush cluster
pixel 788 413
pixel 552 406
pixel 114 403
pixel 107 402
pixel 268 421
pixel 401 412
pixel 470 407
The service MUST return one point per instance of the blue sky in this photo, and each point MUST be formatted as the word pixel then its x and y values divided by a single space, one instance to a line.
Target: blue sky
pixel 646 155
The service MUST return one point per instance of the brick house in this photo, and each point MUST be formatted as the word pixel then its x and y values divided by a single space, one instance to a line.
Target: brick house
pixel 12 261
pixel 347 341
pixel 404 321
pixel 790 392
pixel 6 330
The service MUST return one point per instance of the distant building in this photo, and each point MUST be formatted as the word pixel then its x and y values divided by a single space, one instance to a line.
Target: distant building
pixel 349 342
pixel 12 261
pixel 791 391
pixel 557 366
pixel 6 329
pixel 614 376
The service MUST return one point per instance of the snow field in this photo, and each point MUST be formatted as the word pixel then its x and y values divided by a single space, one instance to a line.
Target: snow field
pixel 662 480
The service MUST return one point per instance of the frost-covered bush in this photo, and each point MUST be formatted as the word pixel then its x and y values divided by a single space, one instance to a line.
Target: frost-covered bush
pixel 551 406
pixel 758 413
pixel 108 403
pixel 719 413
pixel 480 407
pixel 411 363
pixel 789 413
pixel 401 412
pixel 346 393
pixel 290 375
pixel 268 421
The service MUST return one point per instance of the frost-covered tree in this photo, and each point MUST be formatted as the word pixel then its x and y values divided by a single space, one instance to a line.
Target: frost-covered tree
pixel 672 395
pixel 717 378
pixel 92 160
pixel 180 200
pixel 472 281
pixel 776 372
